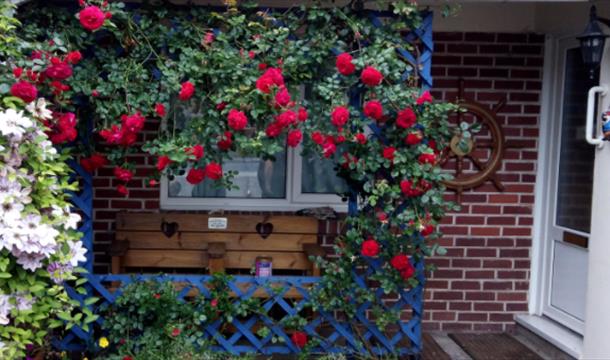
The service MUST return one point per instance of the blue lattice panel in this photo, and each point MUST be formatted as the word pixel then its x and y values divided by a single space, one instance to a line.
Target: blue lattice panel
pixel 332 334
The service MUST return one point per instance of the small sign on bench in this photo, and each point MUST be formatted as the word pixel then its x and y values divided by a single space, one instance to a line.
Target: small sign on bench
pixel 217 223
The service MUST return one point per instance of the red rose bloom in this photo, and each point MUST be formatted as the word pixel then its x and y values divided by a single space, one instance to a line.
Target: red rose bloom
pixel 406 186
pixel 271 77
pixel 195 176
pixel 414 138
pixel 370 248
pixel 425 97
pixel 221 106
pixel 127 357
pixel 373 109
pixel 286 118
pixel 122 189
pixel 302 114
pixel 17 71
pixel 160 109
pixel 93 162
pixel 196 150
pixel 339 116
pixel 157 296
pixel 123 174
pixel 427 158
pixel 400 262
pixel 317 137
pixel 60 71
pixel 133 123
pixel 74 57
pixel 294 138
pixel 406 118
pixel 344 64
pixel 407 273
pixel 91 18
pixel 214 302
pixel 388 153
pixel 24 90
pixel 427 230
pixel 162 162
pixel 187 90
pixel 208 38
pixel 225 142
pixel 299 339
pixel 237 120
pixel 175 332
pixel 153 182
pixel 371 76
pixel 112 135
pixel 213 171
pixel 360 138
pixel 282 97
pixel 273 130
pixel 329 149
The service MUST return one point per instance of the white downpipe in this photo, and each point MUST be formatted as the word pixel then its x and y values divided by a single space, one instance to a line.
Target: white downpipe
pixel 590 130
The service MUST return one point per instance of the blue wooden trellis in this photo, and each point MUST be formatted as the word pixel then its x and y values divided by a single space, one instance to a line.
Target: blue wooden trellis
pixel 337 335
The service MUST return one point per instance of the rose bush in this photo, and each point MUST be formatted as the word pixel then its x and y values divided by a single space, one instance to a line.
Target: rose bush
pixel 221 84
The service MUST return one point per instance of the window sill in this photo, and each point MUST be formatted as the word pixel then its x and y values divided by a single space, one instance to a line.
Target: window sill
pixel 261 206
pixel 559 336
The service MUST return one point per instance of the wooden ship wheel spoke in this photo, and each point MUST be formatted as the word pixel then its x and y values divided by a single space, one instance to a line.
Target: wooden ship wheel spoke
pixel 491 142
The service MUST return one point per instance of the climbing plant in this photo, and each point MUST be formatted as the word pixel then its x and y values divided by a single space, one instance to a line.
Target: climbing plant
pixel 238 74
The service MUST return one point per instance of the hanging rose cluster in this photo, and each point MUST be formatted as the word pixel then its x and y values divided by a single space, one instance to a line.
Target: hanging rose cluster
pixel 51 76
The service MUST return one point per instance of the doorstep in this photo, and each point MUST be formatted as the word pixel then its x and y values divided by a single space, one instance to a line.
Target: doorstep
pixel 557 335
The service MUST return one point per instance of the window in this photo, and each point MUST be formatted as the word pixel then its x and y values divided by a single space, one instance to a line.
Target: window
pixel 291 182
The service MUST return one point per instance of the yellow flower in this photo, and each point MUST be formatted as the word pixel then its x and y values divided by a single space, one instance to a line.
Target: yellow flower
pixel 104 342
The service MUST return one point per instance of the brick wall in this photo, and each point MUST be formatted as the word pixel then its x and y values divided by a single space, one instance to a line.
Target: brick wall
pixel 483 280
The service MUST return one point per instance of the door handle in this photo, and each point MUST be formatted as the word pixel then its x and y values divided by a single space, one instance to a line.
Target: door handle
pixel 590 130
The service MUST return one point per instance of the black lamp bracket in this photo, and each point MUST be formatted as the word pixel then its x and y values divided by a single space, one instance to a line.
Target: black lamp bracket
pixel 594 16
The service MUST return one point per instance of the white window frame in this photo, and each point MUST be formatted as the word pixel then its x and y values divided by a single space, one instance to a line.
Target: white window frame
pixel 295 199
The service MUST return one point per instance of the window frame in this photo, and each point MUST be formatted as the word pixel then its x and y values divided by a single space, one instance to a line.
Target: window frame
pixel 294 200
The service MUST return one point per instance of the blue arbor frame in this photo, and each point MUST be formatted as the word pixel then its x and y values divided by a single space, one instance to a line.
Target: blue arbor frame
pixel 336 336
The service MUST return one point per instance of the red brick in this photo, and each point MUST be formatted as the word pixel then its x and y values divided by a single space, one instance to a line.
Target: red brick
pixel 466 263
pixel 488 306
pixel 458 305
pixel 516 307
pixel 504 198
pixel 448 274
pixel 512 274
pixel 465 285
pixel 512 37
pixel 469 242
pixel 502 264
pixel 516 231
pixel 443 315
pixel 501 317
pixel 485 231
pixel 500 220
pixel 482 37
pixel 497 285
pixel 480 295
pixel 472 317
pixel 470 220
pixel 512 296
pixel 448 295
pixel 514 253
pixel 448 36
pixel 436 305
pixel 482 274
pixel 481 252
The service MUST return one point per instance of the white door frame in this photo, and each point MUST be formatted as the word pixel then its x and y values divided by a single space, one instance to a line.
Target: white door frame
pixel 541 256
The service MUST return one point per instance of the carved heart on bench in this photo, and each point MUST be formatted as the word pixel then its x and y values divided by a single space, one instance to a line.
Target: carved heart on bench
pixel 169 229
pixel 264 229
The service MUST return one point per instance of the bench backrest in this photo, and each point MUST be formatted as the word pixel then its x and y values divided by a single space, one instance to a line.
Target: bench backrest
pixel 173 240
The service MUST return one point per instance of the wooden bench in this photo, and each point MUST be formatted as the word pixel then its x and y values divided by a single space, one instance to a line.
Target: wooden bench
pixel 197 241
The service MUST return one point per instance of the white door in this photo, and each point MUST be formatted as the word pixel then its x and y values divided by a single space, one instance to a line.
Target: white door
pixel 570 169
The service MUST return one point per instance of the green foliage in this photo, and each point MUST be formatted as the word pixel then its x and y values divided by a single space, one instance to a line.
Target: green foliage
pixel 144 55
pixel 148 321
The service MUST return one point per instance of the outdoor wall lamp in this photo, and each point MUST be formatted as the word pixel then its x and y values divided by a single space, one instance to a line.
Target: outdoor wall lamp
pixel 592 42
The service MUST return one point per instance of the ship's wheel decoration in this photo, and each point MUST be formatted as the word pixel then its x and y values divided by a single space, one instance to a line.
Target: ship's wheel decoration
pixel 476 150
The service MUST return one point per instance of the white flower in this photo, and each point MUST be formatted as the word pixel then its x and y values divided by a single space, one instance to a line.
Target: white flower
pixel 39 110
pixel 13 124
pixel 77 252
pixel 28 261
pixel 5 309
pixel 72 221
